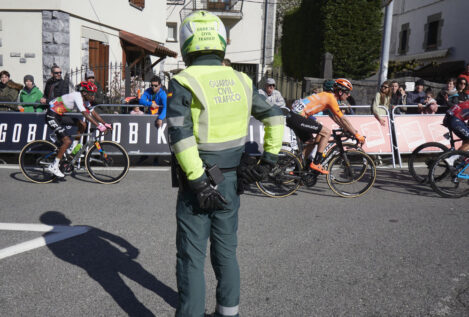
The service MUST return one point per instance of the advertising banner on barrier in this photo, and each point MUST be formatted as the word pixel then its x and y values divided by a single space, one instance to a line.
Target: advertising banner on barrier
pixel 137 134
pixel 378 140
pixel 413 130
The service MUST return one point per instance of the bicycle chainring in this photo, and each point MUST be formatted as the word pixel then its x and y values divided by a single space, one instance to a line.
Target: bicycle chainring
pixel 309 179
pixel 66 167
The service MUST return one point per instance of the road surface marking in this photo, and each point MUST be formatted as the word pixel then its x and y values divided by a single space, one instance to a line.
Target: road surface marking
pixel 57 233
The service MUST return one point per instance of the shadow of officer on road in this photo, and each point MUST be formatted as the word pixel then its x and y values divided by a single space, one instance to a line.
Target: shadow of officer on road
pixel 103 262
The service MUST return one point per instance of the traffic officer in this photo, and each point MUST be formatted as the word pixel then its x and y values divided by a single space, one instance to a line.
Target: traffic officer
pixel 209 108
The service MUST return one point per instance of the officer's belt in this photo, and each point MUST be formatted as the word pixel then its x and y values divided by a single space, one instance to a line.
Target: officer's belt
pixel 228 169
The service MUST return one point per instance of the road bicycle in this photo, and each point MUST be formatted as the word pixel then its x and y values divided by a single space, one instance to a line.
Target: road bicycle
pixel 425 155
pixel 450 177
pixel 107 162
pixel 352 172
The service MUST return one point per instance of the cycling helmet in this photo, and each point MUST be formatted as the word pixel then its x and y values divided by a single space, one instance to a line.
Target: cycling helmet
pixel 343 84
pixel 86 86
pixel 328 85
pixel 202 31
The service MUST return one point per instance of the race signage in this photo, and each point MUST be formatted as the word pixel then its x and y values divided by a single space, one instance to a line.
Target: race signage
pixel 137 134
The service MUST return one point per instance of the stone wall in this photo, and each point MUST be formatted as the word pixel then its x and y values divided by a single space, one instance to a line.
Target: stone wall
pixel 55 41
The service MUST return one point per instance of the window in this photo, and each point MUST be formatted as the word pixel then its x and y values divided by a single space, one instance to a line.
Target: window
pixel 172 32
pixel 404 39
pixel 139 4
pixel 433 27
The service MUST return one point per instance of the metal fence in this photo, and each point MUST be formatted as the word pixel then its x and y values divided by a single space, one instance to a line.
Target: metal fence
pixel 117 80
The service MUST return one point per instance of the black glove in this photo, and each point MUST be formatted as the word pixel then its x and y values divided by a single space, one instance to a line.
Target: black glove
pixel 252 173
pixel 208 197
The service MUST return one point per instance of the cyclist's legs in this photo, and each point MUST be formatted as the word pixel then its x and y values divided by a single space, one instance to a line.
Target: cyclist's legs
pixel 305 128
pixel 323 138
pixel 58 124
pixel 461 130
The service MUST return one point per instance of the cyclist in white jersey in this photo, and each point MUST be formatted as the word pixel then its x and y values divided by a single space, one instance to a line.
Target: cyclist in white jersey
pixel 56 120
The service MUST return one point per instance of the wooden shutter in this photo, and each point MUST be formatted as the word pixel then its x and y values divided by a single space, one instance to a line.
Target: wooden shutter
pixel 99 62
pixel 138 3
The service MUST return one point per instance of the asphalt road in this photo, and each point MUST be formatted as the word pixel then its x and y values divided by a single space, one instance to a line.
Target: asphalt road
pixel 400 250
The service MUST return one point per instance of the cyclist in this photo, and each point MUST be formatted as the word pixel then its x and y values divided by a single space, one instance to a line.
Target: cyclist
pixel 79 100
pixel 299 119
pixel 455 120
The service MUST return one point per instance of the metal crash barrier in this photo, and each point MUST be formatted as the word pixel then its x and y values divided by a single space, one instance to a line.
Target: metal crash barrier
pixel 139 135
pixel 413 130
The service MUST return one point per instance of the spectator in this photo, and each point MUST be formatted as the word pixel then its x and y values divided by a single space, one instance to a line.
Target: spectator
pixel 398 97
pixel 430 106
pixel 137 111
pixel 155 98
pixel 417 96
pixel 30 93
pixel 8 91
pixel 226 62
pixel 448 96
pixel 55 86
pixel 465 75
pixel 99 96
pixel 273 96
pixel 461 85
pixel 382 98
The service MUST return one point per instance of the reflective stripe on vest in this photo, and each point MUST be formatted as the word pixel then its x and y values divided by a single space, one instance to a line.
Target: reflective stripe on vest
pixel 221 106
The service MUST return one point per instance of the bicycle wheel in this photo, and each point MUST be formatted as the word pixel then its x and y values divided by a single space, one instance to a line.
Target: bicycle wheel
pixel 284 179
pixel 335 151
pixel 351 174
pixel 34 159
pixel 107 162
pixel 422 158
pixel 450 179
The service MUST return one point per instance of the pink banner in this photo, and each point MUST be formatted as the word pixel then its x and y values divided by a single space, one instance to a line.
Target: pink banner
pixel 378 139
pixel 413 130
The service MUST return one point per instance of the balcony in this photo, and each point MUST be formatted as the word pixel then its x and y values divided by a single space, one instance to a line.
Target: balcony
pixel 225 9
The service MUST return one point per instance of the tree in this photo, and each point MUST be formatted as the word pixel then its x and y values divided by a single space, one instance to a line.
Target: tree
pixel 348 29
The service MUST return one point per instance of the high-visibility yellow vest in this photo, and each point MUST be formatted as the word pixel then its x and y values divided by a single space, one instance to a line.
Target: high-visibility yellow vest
pixel 221 107
pixel 220 110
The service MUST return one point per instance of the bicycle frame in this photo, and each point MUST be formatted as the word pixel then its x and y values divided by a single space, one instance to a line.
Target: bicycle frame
pixel 337 143
pixel 91 139
pixel 462 174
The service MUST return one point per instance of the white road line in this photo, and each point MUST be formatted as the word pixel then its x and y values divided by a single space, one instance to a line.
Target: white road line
pixel 10 166
pixel 58 233
pixel 139 169
pixel 32 227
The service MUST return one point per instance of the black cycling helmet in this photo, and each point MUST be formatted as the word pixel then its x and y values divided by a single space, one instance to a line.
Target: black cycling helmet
pixel 328 85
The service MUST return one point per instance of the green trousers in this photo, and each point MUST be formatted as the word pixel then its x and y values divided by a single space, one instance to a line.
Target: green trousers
pixel 194 228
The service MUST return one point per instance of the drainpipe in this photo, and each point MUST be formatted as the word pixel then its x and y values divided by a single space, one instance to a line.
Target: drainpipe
pixel 265 38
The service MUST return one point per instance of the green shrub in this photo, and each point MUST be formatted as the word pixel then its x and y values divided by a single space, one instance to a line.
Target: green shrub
pixel 348 29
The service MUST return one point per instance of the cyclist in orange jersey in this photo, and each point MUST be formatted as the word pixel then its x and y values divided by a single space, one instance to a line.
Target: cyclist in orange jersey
pixel 299 118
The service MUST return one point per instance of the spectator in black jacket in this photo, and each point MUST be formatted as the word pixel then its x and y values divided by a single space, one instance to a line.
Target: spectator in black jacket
pixel 417 96
pixel 461 85
pixel 398 97
pixel 55 86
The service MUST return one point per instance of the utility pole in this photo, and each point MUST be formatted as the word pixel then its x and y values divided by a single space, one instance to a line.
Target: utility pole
pixel 264 53
pixel 383 67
